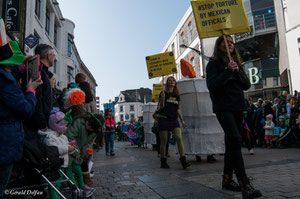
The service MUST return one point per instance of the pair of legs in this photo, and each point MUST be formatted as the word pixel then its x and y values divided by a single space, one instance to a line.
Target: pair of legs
pixel 78 180
pixel 158 143
pixel 231 123
pixel 164 140
pixel 109 143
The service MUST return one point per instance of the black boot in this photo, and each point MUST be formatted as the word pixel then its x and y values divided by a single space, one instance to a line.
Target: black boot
pixel 229 184
pixel 163 163
pixel 248 190
pixel 184 163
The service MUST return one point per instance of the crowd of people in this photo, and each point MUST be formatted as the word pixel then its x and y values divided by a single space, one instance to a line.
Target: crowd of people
pixel 35 114
pixel 272 123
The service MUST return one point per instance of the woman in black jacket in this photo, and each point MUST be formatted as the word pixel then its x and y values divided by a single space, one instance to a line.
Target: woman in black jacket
pixel 226 82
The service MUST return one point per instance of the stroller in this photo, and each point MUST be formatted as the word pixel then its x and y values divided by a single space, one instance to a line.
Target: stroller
pixel 290 137
pixel 38 169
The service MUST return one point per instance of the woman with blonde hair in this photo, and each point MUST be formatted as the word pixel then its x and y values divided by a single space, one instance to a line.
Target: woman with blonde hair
pixel 168 112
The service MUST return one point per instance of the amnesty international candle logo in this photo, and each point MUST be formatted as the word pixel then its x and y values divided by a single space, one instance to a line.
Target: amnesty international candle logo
pixel 161 64
pixel 213 16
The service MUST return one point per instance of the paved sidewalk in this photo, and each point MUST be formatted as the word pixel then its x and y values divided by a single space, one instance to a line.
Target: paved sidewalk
pixel 135 173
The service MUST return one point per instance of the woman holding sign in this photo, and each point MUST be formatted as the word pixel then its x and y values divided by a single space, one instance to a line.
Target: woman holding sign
pixel 168 112
pixel 226 82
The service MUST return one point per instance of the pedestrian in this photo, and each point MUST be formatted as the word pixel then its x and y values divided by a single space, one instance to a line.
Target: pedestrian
pixel 259 122
pixel 54 136
pixel 226 82
pixel 54 94
pixel 83 132
pixel 15 107
pixel 168 112
pixel 90 103
pixel 40 117
pixel 269 129
pixel 155 130
pixel 109 132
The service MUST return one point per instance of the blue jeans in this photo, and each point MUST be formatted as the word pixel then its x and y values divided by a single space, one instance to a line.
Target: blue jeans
pixel 109 142
pixel 5 171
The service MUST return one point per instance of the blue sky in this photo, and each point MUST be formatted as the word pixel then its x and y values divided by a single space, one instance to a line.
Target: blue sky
pixel 113 38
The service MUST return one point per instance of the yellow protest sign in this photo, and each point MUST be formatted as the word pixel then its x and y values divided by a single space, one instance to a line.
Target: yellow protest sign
pixel 212 16
pixel 161 64
pixel 157 88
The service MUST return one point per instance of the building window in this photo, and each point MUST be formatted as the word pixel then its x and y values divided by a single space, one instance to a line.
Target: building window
pixel 131 108
pixel 190 33
pixel 275 81
pixel 264 82
pixel 121 99
pixel 37 35
pixel 70 42
pixel 132 116
pixel 122 118
pixel 38 8
pixel 173 47
pixel 70 74
pixel 47 27
pixel 55 66
pixel 193 62
pixel 121 109
pixel 55 35
pixel 182 38
pixel 299 45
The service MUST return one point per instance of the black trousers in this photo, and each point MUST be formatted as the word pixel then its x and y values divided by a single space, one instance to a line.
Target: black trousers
pixel 231 123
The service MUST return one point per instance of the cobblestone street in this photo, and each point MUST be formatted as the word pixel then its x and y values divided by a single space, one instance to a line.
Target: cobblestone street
pixel 135 173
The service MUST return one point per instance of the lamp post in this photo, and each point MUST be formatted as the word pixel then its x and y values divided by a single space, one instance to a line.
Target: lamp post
pixel 196 50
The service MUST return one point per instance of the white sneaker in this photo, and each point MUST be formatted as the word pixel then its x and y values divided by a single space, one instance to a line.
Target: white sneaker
pixel 251 152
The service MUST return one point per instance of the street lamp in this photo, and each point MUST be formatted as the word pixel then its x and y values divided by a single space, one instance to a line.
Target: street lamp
pixel 196 50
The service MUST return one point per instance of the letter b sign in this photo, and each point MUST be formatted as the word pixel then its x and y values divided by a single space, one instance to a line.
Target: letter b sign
pixel 253 75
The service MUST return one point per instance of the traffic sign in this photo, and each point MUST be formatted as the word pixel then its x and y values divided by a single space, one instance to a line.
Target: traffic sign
pixel 31 41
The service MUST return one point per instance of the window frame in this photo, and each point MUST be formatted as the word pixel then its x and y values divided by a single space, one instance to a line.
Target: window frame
pixel 47 24
pixel 275 79
pixel 70 71
pixel 70 44
pixel 131 107
pixel 37 9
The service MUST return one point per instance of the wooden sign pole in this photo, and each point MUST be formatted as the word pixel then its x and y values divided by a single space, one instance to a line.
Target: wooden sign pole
pixel 227 47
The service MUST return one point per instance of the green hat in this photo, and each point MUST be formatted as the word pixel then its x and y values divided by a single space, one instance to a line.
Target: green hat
pixel 17 58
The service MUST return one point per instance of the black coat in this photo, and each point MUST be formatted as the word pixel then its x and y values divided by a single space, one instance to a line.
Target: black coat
pixel 226 88
pixel 40 117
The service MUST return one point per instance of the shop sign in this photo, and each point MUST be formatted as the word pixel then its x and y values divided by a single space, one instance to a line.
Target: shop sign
pixel 11 13
pixel 253 75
